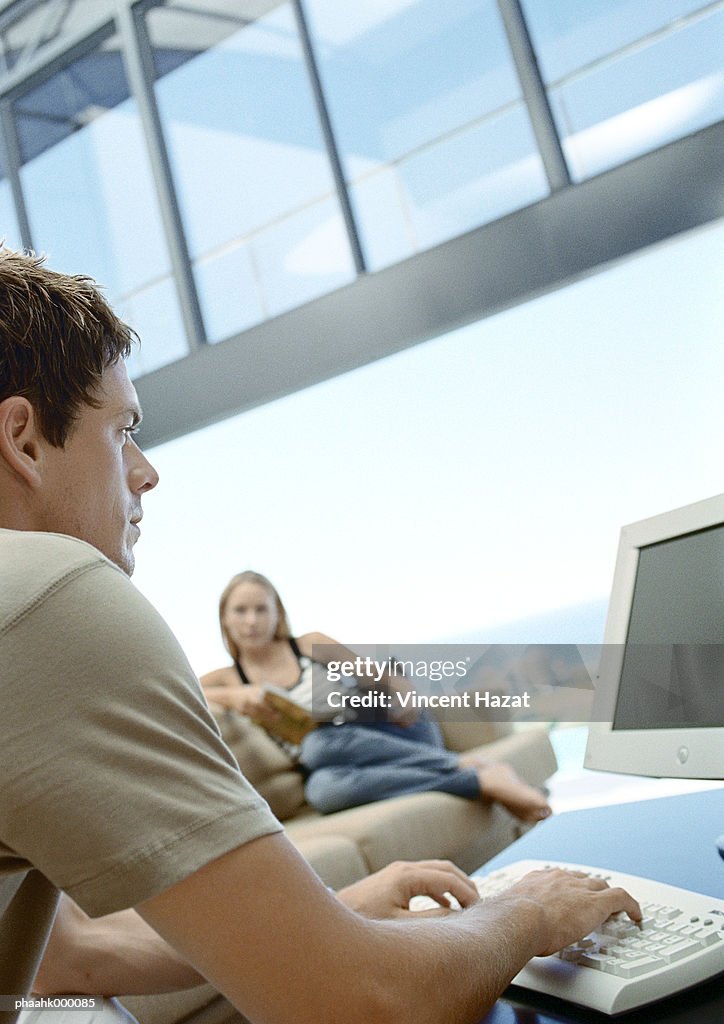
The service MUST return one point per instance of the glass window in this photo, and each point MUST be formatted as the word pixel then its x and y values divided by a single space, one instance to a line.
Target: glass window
pixel 472 177
pixel 28 28
pixel 154 313
pixel 229 292
pixel 384 217
pixel 302 256
pixel 645 98
pixel 570 34
pixel 403 72
pixel 254 182
pixel 422 95
pixel 89 191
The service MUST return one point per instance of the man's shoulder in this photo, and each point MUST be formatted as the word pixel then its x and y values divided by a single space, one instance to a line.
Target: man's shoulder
pixel 49 553
pixel 33 564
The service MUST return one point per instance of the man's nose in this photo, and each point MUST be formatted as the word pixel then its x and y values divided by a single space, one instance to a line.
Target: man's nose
pixel 143 476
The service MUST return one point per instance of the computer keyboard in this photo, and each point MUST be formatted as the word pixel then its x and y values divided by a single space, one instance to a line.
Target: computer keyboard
pixel 623 965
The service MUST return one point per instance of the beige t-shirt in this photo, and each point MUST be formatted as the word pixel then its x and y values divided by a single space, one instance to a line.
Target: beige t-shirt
pixel 114 781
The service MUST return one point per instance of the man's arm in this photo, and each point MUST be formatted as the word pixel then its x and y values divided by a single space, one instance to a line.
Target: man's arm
pixel 108 956
pixel 120 953
pixel 259 924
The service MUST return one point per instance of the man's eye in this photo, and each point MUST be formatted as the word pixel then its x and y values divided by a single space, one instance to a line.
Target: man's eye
pixel 128 432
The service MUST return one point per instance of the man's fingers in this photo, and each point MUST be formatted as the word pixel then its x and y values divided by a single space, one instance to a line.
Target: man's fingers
pixel 596 883
pixel 440 884
pixel 439 880
pixel 622 900
pixel 447 876
pixel 443 865
pixel 616 898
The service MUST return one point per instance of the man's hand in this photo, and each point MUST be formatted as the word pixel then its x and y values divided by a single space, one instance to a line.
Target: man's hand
pixel 571 904
pixel 388 892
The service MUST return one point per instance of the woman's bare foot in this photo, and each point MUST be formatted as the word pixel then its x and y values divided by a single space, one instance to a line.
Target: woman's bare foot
pixel 500 783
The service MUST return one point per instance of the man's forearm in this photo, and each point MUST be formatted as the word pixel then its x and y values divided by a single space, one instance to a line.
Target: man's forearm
pixel 282 922
pixel 258 914
pixel 117 954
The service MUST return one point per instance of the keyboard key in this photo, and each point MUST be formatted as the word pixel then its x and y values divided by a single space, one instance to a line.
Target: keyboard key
pixel 708 936
pixel 676 927
pixel 612 964
pixel 670 912
pixel 672 953
pixel 594 960
pixel 642 965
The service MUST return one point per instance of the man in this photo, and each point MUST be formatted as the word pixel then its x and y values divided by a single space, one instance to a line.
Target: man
pixel 116 787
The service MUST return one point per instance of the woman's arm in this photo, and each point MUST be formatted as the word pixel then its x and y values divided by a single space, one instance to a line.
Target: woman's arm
pixel 334 651
pixel 223 690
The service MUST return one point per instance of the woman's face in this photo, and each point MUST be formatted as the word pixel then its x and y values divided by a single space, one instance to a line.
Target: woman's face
pixel 250 615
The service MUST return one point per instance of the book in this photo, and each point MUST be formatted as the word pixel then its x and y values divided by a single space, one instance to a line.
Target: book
pixel 294 721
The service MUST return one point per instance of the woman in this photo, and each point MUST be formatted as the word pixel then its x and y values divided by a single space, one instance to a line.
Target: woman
pixel 350 764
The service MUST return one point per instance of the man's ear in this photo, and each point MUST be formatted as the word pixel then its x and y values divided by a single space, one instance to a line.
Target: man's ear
pixel 21 439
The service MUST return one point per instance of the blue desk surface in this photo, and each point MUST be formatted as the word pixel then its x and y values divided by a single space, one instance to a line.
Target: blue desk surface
pixel 670 839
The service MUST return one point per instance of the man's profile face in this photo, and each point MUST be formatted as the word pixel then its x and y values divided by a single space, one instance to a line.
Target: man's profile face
pixel 92 487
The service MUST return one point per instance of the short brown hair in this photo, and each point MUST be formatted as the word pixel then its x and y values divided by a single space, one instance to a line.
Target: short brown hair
pixel 57 336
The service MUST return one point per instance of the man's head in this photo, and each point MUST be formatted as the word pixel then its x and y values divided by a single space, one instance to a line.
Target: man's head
pixel 68 460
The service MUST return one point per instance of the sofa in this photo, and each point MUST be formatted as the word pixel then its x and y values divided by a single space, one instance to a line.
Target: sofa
pixel 347 845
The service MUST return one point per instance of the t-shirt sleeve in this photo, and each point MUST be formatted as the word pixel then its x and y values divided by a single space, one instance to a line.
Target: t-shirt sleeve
pixel 116 781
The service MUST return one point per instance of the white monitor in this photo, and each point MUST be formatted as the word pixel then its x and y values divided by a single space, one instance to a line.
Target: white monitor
pixel 660 695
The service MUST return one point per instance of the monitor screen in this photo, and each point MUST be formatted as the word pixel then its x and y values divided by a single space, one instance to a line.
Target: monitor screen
pixel 660 690
pixel 673 663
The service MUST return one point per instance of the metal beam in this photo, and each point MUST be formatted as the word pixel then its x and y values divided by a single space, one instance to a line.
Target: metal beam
pixel 138 59
pixel 13 162
pixel 566 236
pixel 329 137
pixel 534 94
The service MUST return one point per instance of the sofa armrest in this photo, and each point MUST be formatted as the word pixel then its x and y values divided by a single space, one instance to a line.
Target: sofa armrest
pixel 461 736
pixel 466 728
pixel 528 751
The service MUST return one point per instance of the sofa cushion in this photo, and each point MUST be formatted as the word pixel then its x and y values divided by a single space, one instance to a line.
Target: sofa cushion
pixel 267 767
pixel 417 827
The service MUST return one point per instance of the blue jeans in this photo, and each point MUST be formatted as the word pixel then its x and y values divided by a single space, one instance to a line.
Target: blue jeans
pixel 348 765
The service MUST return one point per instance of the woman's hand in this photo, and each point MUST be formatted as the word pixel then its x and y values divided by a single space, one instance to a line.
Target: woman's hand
pixel 247 700
pixel 400 714
pixel 250 701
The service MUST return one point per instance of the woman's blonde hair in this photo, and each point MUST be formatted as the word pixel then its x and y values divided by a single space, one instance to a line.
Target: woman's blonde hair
pixel 282 631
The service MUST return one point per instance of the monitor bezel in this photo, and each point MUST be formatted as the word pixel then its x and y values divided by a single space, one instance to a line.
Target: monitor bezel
pixel 687 753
